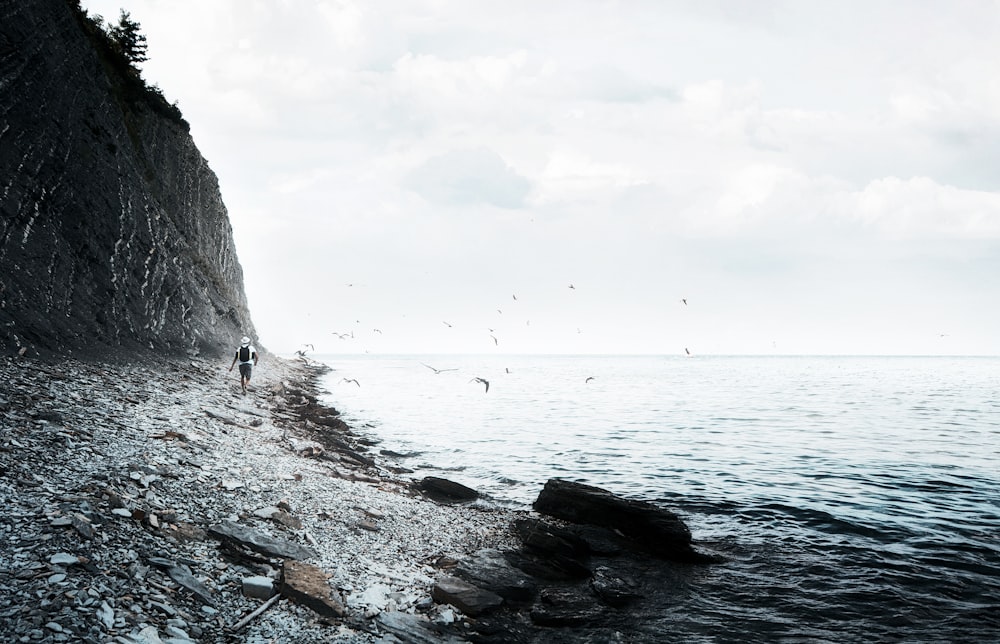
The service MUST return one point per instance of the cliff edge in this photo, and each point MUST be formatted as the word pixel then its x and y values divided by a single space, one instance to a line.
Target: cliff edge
pixel 113 233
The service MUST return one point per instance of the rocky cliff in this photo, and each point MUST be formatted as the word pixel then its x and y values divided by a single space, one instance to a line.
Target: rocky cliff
pixel 113 233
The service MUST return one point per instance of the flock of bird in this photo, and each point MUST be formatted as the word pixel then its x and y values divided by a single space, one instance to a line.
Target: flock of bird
pixel 349 335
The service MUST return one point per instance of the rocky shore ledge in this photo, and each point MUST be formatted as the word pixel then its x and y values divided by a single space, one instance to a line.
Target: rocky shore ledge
pixel 153 502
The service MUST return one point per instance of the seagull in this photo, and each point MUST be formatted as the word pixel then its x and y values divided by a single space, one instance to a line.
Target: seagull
pixel 446 324
pixel 495 341
pixel 589 378
pixel 379 331
pixel 684 300
pixel 572 287
pixel 686 351
pixel 484 381
pixel 437 370
pixel 350 380
pixel 310 346
pixel 515 297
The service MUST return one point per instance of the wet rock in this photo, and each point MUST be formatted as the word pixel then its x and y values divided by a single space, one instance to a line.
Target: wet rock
pixel 308 585
pixel 464 596
pixel 566 607
pixel 259 542
pixel 490 570
pixel 659 531
pixel 445 491
pixel 614 588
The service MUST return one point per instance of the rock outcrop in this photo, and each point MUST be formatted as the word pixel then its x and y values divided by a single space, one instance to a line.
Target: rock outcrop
pixel 591 569
pixel 113 233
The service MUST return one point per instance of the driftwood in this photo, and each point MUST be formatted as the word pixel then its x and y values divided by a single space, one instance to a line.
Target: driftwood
pixel 252 616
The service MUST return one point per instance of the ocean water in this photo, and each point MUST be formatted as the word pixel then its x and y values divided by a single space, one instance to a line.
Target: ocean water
pixel 852 498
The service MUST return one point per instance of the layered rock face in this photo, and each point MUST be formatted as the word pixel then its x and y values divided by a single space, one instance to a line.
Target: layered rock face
pixel 113 233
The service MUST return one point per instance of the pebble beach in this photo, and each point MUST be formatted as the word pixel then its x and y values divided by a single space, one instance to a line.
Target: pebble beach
pixel 119 480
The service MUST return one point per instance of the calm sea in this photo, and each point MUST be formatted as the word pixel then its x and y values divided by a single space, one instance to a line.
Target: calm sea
pixel 853 498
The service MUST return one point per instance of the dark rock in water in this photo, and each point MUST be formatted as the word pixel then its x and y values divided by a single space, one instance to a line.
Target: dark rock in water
pixel 412 629
pixel 566 607
pixel 550 539
pixel 613 588
pixel 592 563
pixel 259 542
pixel 307 585
pixel 489 570
pixel 549 568
pixel 600 541
pixel 658 531
pixel 467 598
pixel 445 491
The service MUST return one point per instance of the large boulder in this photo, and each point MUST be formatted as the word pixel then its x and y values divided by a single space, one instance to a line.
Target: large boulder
pixel 658 531
pixel 445 491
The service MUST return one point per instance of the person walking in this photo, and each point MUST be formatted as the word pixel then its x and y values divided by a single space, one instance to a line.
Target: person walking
pixel 247 357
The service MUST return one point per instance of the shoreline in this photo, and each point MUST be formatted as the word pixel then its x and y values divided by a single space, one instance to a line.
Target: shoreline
pixel 116 474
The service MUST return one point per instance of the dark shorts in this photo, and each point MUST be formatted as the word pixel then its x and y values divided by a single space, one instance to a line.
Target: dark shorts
pixel 245 370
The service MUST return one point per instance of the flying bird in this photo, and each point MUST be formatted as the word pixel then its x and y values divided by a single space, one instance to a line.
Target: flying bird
pixel 684 300
pixel 572 287
pixel 483 381
pixel 310 346
pixel 589 378
pixel 515 297
pixel 686 351
pixel 350 380
pixel 446 324
pixel 495 341
pixel 379 331
pixel 437 370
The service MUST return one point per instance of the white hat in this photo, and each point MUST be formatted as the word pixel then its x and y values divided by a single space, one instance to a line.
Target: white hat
pixel 245 340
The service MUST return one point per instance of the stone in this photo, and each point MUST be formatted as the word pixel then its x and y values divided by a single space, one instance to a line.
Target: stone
pixel 613 588
pixel 566 607
pixel 464 596
pixel 445 491
pixel 308 586
pixel 489 569
pixel 413 629
pixel 257 541
pixel 258 587
pixel 182 575
pixel 82 525
pixel 287 520
pixel 266 512
pixel 63 559
pixel 657 530
pixel 106 614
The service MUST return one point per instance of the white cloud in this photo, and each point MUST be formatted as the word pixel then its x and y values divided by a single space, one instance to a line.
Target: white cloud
pixel 919 207
pixel 477 176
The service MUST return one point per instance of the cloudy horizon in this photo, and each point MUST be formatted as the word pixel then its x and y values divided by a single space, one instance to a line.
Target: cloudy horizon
pixel 599 177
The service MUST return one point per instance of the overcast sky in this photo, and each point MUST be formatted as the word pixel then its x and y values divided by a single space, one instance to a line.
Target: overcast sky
pixel 811 177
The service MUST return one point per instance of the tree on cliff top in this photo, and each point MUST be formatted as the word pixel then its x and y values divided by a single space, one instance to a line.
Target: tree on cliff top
pixel 129 40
